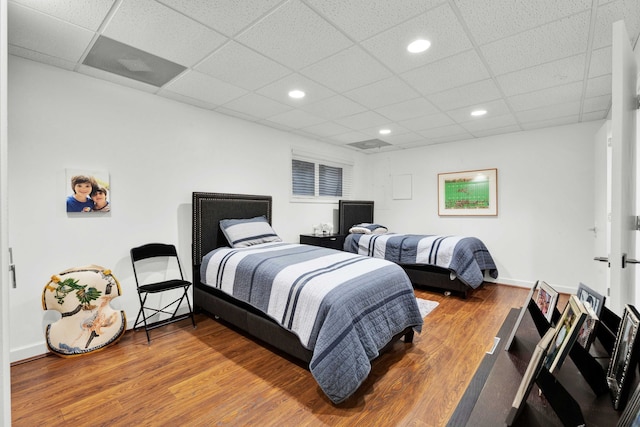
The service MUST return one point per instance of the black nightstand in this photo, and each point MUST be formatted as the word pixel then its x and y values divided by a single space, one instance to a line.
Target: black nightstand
pixel 333 241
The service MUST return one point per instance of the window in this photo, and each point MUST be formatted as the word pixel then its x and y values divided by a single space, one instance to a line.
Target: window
pixel 315 178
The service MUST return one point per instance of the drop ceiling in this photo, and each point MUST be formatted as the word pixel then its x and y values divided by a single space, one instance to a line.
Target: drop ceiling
pixel 530 64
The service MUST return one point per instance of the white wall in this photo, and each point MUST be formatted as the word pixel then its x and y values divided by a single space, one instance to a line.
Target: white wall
pixel 545 200
pixel 157 152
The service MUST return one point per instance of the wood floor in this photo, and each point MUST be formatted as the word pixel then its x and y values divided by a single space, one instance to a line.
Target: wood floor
pixel 214 376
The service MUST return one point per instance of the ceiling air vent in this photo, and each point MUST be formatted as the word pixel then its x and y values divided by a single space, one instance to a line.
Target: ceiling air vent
pixel 124 60
pixel 370 143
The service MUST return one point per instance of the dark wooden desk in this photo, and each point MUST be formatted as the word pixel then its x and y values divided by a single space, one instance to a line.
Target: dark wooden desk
pixel 494 401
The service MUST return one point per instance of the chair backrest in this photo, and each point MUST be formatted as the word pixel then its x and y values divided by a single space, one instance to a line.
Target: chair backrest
pixel 154 250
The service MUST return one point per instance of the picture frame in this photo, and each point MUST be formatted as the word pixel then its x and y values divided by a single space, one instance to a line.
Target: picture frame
pixel 631 415
pixel 624 357
pixel 533 369
pixel 546 299
pixel 566 333
pixel 523 310
pixel 87 192
pixel 588 295
pixel 587 333
pixel 468 193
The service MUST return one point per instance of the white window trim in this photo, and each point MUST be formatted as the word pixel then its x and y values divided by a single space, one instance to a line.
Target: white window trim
pixel 315 158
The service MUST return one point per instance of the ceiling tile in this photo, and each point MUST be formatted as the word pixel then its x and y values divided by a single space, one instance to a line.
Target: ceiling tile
pixel 490 20
pixel 599 86
pixel 543 76
pixel 457 70
pixel 440 26
pixel 395 129
pixel 205 88
pixel 87 13
pixel 549 113
pixel 496 131
pixel 225 16
pixel 427 122
pixel 257 106
pixel 600 62
pixel 349 137
pixel 544 97
pixel 36 31
pixel 279 90
pixel 486 123
pixel 596 115
pixel 467 95
pixel 383 92
pixel 494 108
pixel 326 129
pixel 556 121
pixel 294 36
pixel 296 119
pixel 242 66
pixel 157 29
pixel 408 109
pixel 547 43
pixel 627 10
pixel 361 19
pixel 360 121
pixel 348 69
pixel 334 107
pixel 403 138
pixel 446 131
pixel 597 103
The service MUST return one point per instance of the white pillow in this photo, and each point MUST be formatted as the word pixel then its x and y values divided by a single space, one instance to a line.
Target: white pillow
pixel 367 228
pixel 241 233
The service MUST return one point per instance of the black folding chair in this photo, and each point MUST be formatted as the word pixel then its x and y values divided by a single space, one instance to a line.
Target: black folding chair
pixel 165 255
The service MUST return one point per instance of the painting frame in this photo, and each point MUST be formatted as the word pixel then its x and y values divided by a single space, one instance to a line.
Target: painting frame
pixel 480 188
pixel 546 299
pixel 566 333
pixel 596 299
pixel 624 357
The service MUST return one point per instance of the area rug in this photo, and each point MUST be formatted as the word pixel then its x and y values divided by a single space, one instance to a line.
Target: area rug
pixel 426 306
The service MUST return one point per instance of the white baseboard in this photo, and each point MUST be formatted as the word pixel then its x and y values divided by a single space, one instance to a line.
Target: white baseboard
pixel 526 284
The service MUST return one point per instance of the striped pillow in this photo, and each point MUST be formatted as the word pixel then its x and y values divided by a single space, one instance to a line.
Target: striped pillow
pixel 241 233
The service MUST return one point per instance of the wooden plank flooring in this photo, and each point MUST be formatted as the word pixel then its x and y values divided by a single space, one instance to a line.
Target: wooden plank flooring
pixel 214 376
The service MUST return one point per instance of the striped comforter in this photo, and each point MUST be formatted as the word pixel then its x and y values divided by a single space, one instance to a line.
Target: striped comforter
pixel 467 257
pixel 343 307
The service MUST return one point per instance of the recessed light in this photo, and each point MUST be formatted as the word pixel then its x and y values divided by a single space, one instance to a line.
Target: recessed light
pixel 297 94
pixel 384 131
pixel 418 46
pixel 477 113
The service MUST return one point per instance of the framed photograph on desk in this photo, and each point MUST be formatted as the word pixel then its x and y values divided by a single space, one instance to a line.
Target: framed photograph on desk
pixel 566 333
pixel 591 297
pixel 546 299
pixel 624 358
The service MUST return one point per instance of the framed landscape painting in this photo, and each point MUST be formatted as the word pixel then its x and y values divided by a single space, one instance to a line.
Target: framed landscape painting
pixel 468 193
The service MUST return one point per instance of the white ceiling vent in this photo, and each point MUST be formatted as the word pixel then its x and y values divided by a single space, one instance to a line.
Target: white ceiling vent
pixel 369 143
pixel 124 60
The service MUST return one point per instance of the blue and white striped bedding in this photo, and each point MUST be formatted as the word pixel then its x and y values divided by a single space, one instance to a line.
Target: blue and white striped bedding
pixel 467 257
pixel 343 307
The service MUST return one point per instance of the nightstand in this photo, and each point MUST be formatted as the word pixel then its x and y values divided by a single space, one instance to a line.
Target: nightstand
pixel 333 241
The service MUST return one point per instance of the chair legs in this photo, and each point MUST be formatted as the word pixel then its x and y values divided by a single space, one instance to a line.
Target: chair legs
pixel 143 316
